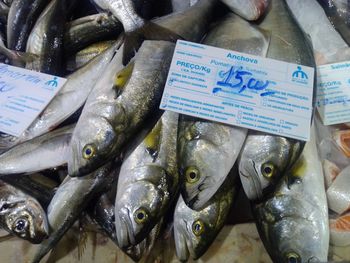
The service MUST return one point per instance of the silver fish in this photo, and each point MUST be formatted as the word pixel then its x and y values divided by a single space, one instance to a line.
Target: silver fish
pixel 119 104
pixel 264 158
pixel 293 220
pixel 70 199
pixel 148 182
pixel 47 151
pixel 207 149
pixel 194 231
pixel 22 215
pixel 248 9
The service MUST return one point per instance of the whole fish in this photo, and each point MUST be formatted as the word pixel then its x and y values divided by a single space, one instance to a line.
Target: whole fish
pixel 47 151
pixel 248 9
pixel 22 16
pixel 22 215
pixel 195 231
pixel 329 47
pixel 264 158
pixel 103 212
pixel 119 104
pixel 46 38
pixel 70 199
pixel 207 149
pixel 293 220
pixel 87 30
pixel 136 28
pixel 148 182
pixel 338 12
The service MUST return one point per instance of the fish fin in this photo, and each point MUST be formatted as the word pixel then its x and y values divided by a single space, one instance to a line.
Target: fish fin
pixel 150 31
pixel 122 78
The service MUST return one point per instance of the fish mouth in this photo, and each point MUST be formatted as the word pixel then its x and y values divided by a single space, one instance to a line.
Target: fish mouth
pixel 124 229
pixel 250 181
pixel 181 246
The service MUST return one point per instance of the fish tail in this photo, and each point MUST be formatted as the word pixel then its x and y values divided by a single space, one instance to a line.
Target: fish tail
pixel 17 58
pixel 150 31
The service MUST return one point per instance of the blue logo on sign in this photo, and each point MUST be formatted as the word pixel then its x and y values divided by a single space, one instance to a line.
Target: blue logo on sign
pixel 300 74
pixel 52 83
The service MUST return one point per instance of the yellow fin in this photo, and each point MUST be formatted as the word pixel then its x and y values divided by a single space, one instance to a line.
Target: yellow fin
pixel 152 140
pixel 123 76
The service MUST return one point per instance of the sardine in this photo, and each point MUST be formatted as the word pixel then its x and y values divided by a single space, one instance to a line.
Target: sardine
pixel 119 104
pixel 264 158
pixel 148 182
pixel 136 28
pixel 293 220
pixel 85 31
pixel 44 152
pixel 22 16
pixel 195 231
pixel 207 149
pixel 70 199
pixel 22 215
pixel 248 9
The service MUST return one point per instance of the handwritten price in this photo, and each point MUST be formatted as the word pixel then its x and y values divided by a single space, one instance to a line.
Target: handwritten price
pixel 240 79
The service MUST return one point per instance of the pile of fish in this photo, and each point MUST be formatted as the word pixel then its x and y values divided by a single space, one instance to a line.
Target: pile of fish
pixel 103 150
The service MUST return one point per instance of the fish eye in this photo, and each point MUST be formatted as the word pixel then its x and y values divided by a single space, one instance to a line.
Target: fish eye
pixel 192 175
pixel 140 216
pixel 198 227
pixel 293 257
pixel 268 170
pixel 20 225
pixel 89 151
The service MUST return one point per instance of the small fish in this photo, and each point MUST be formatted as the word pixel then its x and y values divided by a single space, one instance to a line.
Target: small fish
pixel 195 231
pixel 293 220
pixel 148 182
pixel 22 215
pixel 22 16
pixel 248 9
pixel 136 28
pixel 207 149
pixel 88 30
pixel 47 151
pixel 338 193
pixel 70 199
pixel 340 230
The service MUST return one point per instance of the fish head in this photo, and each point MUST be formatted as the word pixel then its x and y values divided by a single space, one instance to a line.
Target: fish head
pixel 24 218
pixel 139 207
pixel 194 231
pixel 92 146
pixel 291 232
pixel 263 160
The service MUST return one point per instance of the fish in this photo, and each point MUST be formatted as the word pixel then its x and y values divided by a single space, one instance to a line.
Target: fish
pixel 208 149
pixel 70 199
pixel 338 194
pixel 329 46
pixel 338 14
pixel 4 11
pixel 21 19
pixel 195 231
pixel 340 230
pixel 147 183
pixel 250 10
pixel 46 38
pixel 265 157
pixel 292 221
pixel 331 171
pixel 47 151
pixel 22 215
pixel 104 126
pixel 103 212
pixel 135 27
pixel 82 32
pixel 85 55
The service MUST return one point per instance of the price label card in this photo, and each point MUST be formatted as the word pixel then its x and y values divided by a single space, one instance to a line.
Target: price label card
pixel 23 96
pixel 333 93
pixel 240 89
